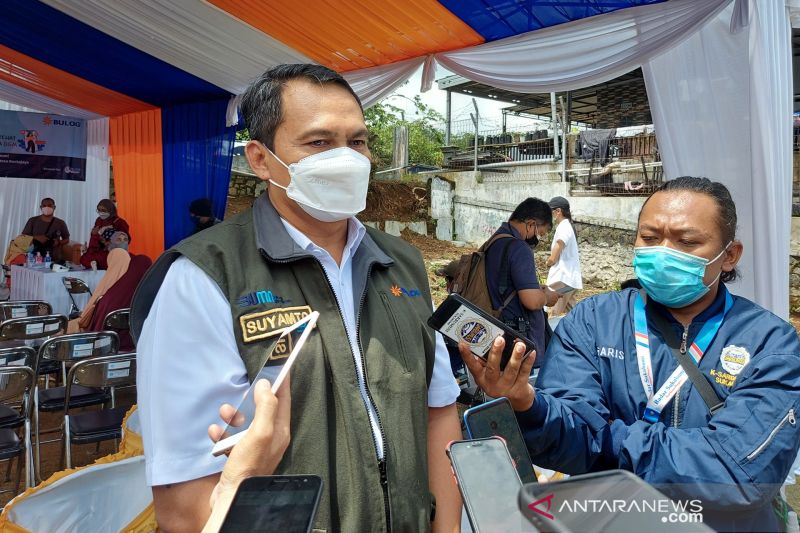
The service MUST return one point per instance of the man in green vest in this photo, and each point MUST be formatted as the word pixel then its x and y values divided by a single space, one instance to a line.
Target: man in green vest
pixel 373 396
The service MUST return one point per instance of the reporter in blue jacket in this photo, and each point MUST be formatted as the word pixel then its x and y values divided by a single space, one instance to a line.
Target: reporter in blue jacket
pixel 612 394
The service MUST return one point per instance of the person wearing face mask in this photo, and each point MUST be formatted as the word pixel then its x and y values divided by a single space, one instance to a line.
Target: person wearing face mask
pixel 106 224
pixel 373 390
pixel 511 272
pixel 693 389
pixel 49 232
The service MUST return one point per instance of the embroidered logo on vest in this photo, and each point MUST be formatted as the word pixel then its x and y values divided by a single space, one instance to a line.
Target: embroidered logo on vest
pixel 260 297
pixel 264 324
pixel 402 291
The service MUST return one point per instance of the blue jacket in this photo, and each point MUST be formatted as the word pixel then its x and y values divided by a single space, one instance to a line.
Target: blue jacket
pixel 589 404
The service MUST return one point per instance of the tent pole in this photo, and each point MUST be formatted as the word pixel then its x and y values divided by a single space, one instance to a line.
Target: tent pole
pixel 556 152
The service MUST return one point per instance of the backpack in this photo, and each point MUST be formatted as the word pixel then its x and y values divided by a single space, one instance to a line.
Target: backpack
pixel 471 281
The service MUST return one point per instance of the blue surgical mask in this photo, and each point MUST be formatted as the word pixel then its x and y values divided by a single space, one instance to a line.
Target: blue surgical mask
pixel 671 277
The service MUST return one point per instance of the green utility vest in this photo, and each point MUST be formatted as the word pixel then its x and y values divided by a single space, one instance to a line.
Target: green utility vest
pixel 270 283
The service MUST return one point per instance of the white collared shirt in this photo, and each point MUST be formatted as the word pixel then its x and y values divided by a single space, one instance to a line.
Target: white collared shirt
pixel 178 400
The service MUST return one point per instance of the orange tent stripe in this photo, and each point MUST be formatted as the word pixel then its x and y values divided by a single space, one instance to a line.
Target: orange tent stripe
pixel 359 33
pixel 135 144
pixel 32 74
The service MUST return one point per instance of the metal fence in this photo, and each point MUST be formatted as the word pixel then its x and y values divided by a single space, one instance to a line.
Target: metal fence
pixel 631 167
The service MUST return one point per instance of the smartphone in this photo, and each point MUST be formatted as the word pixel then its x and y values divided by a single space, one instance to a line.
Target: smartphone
pixel 561 288
pixel 247 406
pixel 459 319
pixel 562 506
pixel 274 503
pixel 496 419
pixel 489 485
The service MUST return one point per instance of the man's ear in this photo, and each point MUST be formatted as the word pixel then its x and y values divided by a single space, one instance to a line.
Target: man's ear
pixel 257 156
pixel 732 255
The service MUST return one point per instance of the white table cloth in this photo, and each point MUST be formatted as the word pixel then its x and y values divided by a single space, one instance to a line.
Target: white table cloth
pixel 42 284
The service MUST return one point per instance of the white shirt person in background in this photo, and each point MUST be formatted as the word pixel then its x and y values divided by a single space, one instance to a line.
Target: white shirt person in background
pixel 564 261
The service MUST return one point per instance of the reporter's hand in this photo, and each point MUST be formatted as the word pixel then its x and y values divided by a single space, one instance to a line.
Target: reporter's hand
pixel 260 451
pixel 512 382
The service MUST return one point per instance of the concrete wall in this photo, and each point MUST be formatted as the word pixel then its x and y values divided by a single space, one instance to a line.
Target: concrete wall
pixel 606 254
pixel 245 186
pixel 483 201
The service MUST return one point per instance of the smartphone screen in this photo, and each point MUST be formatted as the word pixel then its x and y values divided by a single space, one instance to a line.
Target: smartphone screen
pixel 290 342
pixel 489 485
pixel 496 419
pixel 460 320
pixel 274 503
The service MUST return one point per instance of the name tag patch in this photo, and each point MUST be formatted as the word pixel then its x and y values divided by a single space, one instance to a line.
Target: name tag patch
pixel 265 324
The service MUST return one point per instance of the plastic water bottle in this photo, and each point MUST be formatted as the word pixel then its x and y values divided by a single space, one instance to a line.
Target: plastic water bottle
pixel 39 259
pixel 31 259
pixel 48 260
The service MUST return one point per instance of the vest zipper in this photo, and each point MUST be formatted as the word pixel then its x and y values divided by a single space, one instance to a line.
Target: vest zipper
pixel 382 468
pixel 677 403
pixel 381 462
pixel 788 418
pixel 684 339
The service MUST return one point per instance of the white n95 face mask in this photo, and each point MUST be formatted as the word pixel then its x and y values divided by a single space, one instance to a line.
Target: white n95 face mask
pixel 331 185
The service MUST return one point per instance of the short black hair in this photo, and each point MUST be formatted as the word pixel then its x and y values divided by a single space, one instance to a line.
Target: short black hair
pixel 48 200
pixel 533 208
pixel 262 102
pixel 726 208
pixel 201 207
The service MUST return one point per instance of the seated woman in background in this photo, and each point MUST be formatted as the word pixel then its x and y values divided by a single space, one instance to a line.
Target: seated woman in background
pixel 118 262
pixel 106 224
pixel 119 297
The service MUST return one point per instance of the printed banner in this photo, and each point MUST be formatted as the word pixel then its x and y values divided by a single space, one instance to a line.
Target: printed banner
pixel 41 146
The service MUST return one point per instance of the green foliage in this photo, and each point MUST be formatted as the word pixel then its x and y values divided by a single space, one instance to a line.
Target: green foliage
pixel 243 135
pixel 424 139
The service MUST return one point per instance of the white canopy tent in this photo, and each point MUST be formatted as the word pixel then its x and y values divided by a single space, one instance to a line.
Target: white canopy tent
pixel 719 82
pixel 718 75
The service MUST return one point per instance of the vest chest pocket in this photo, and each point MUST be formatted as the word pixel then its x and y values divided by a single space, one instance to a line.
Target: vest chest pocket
pixel 400 341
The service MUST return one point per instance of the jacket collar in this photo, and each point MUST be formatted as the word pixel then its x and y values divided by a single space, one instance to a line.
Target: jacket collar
pixel 276 243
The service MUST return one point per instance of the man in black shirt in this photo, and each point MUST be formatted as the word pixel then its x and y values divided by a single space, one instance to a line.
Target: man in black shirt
pixel 49 232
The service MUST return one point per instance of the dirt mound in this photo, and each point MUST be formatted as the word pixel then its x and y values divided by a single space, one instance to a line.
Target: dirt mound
pixel 405 201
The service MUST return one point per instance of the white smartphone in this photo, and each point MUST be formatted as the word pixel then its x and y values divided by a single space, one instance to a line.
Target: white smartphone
pixel 247 406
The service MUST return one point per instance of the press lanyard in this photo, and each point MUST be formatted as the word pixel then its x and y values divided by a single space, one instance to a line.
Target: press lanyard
pixel 658 400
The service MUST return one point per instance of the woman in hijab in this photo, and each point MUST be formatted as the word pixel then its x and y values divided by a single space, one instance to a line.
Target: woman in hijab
pixel 107 224
pixel 119 297
pixel 118 262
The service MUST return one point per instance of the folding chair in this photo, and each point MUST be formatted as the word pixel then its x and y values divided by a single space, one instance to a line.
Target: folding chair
pixel 17 383
pixel 35 328
pixel 22 309
pixel 75 286
pixel 69 349
pixel 119 321
pixel 16 356
pixel 104 424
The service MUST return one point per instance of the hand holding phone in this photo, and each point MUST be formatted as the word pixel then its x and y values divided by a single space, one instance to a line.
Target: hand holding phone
pixel 513 382
pixel 257 454
pixel 462 321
